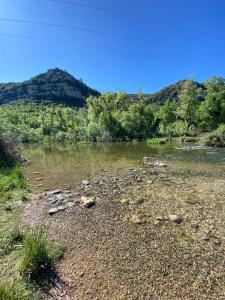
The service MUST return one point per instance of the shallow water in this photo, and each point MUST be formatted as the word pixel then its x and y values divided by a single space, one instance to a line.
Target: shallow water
pixel 64 165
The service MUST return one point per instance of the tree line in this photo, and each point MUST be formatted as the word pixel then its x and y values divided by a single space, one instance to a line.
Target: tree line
pixel 117 117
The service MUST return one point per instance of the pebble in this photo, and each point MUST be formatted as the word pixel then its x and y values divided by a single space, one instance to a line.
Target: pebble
pixel 87 202
pixel 70 204
pixel 52 211
pixel 61 207
pixel 175 219
pixel 39 179
pixel 124 201
pixel 85 182
pixel 137 220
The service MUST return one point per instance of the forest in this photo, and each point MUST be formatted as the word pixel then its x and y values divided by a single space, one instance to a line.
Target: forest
pixel 198 114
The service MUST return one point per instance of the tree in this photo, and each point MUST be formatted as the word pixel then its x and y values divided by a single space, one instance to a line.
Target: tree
pixel 212 110
pixel 138 121
pixel 188 105
pixel 103 116
pixel 167 115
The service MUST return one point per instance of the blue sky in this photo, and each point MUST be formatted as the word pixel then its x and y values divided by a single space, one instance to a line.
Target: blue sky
pixel 111 63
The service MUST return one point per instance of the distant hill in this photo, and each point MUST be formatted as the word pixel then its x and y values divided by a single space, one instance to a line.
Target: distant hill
pixel 171 92
pixel 55 85
pixel 60 87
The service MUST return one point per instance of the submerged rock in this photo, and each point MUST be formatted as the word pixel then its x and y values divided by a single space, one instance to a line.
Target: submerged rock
pixel 149 162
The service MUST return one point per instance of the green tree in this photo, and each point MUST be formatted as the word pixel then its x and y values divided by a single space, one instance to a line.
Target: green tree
pixel 102 115
pixel 167 115
pixel 138 121
pixel 212 110
pixel 188 105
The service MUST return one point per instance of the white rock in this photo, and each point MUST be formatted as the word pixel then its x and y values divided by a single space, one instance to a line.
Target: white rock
pixel 175 219
pixel 85 182
pixel 52 211
pixel 87 202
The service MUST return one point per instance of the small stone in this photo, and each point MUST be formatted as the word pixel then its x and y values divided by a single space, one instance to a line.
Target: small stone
pixel 160 218
pixel 61 208
pixel 69 204
pixel 157 222
pixel 124 201
pixel 149 181
pixel 206 237
pixel 53 201
pixel 55 192
pixel 216 241
pixel 40 185
pixel 85 182
pixel 87 202
pixel 36 173
pixel 81 274
pixel 175 219
pixel 52 211
pixel 137 220
pixel 39 179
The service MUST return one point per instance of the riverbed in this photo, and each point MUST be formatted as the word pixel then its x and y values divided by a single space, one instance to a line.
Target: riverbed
pixel 152 232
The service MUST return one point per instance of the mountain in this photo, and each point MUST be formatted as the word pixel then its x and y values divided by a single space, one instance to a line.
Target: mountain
pixel 171 92
pixel 55 85
pixel 59 86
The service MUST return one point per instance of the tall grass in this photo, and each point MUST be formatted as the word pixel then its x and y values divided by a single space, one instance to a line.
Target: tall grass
pixel 36 257
pixel 17 291
pixel 39 255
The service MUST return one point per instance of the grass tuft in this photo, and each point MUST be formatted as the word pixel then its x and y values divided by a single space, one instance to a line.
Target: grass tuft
pixel 17 290
pixel 39 255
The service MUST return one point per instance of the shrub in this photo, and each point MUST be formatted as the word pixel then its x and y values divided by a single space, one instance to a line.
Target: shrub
pixel 157 141
pixel 216 138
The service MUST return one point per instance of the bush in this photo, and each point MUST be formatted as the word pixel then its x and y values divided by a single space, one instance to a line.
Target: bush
pixel 216 138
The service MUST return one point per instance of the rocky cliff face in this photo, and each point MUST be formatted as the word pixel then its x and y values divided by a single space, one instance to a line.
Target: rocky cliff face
pixel 54 85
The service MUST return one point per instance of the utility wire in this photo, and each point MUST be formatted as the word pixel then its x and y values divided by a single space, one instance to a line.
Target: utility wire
pixel 70 42
pixel 32 37
pixel 109 10
pixel 104 33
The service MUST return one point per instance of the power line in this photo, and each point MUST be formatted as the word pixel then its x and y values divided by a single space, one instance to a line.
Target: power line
pixel 70 42
pixel 32 37
pixel 109 10
pixel 104 33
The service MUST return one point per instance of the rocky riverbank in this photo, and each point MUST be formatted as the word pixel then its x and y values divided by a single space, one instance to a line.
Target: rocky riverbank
pixel 153 232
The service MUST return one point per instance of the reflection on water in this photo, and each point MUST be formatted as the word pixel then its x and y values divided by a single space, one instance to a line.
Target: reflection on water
pixel 59 165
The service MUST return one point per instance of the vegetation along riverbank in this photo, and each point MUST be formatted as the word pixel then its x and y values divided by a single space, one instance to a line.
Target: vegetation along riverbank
pixel 189 110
